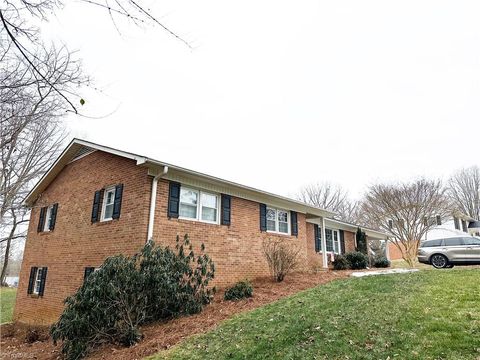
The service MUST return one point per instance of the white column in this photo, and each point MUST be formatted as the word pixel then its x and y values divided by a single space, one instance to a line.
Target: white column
pixel 387 249
pixel 324 245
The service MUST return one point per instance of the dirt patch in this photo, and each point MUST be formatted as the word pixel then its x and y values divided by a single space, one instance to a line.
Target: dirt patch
pixel 161 336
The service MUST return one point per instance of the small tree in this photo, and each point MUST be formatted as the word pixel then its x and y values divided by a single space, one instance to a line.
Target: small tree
pixel 406 211
pixel 361 241
pixel 157 283
pixel 282 257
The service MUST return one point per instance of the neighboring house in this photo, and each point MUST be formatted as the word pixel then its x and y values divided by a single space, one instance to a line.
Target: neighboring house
pixel 95 202
pixel 457 225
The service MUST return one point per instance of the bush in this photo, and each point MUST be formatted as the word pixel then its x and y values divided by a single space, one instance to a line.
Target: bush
pixel 157 283
pixel 282 257
pixel 357 260
pixel 381 262
pixel 241 290
pixel 340 263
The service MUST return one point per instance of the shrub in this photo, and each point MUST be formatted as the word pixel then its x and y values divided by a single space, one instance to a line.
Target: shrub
pixel 281 256
pixel 156 283
pixel 381 262
pixel 357 260
pixel 241 290
pixel 340 263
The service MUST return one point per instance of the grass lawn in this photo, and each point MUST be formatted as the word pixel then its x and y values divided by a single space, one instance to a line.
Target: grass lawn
pixel 423 315
pixel 403 264
pixel 7 302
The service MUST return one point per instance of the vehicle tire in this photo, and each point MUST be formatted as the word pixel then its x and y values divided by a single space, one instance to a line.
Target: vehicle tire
pixel 439 261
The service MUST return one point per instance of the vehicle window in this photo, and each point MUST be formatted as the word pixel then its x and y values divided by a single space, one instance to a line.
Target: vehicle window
pixel 471 241
pixel 454 242
pixel 432 243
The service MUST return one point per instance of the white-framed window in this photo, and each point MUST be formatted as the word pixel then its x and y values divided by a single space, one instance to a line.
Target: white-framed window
pixel 107 204
pixel 198 205
pixel 278 220
pixel 48 218
pixel 332 238
pixel 38 281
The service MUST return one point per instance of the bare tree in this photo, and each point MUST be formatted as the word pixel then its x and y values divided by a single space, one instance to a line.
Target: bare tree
pixel 329 197
pixel 20 39
pixel 406 211
pixel 282 257
pixel 464 191
pixel 30 132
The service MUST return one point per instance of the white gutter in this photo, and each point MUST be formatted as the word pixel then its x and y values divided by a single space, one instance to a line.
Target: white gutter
pixel 153 201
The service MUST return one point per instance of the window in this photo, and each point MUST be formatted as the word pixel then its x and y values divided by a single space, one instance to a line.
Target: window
pixel 471 241
pixel 48 218
pixel 333 241
pixel 38 281
pixel 457 223
pixel 432 243
pixel 278 220
pixel 108 201
pixel 454 242
pixel 198 205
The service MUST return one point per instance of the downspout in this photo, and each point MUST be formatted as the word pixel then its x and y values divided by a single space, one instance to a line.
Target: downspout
pixel 153 201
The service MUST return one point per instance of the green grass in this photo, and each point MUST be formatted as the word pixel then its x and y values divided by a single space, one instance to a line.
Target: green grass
pixel 7 302
pixel 403 264
pixel 423 315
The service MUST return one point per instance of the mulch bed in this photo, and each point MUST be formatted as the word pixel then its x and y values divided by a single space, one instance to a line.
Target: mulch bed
pixel 161 336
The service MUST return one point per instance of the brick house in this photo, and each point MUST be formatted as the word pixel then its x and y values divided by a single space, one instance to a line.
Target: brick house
pixel 95 202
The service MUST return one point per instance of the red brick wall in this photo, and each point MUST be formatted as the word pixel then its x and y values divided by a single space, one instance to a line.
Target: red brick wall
pixel 236 249
pixel 76 242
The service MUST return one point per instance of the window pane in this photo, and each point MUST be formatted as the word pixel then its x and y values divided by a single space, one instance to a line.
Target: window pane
pixel 188 211
pixel 471 241
pixel 209 214
pixel 282 216
pixel 108 211
pixel 454 242
pixel 271 214
pixel 283 227
pixel 335 242
pixel 110 196
pixel 271 225
pixel 188 196
pixel 209 200
pixel 432 243
pixel 329 239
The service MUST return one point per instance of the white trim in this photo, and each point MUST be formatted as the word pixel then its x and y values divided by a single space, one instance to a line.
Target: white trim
pixel 104 202
pixel 199 210
pixel 181 175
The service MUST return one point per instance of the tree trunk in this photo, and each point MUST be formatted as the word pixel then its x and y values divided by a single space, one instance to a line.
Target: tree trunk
pixel 7 251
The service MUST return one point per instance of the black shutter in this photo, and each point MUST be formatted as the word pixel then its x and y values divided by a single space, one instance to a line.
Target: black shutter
pixel 226 209
pixel 41 220
pixel 42 282
pixel 31 280
pixel 88 271
pixel 53 216
pixel 263 217
pixel 97 203
pixel 173 199
pixel 342 242
pixel 117 202
pixel 293 219
pixel 316 235
pixel 439 220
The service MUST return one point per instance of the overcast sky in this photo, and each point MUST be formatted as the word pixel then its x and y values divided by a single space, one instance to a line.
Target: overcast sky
pixel 279 94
